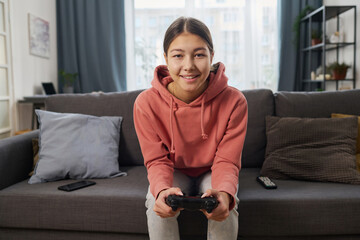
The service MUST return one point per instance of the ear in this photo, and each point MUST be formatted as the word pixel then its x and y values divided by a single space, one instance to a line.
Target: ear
pixel 166 58
pixel 211 57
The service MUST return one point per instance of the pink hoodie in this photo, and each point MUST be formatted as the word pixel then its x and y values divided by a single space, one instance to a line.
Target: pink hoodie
pixel 206 134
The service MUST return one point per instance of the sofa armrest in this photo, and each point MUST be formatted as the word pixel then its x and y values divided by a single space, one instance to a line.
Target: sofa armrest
pixel 16 158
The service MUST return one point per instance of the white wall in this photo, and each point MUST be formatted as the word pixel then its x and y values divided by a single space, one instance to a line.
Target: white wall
pixel 347 22
pixel 29 70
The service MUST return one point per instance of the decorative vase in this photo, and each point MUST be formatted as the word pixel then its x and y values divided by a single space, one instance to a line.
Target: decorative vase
pixel 315 41
pixel 68 89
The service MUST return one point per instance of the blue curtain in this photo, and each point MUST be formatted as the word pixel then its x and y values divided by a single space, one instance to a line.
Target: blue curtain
pixel 91 42
pixel 289 53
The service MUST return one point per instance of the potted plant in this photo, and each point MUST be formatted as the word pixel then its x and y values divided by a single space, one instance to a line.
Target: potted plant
pixel 68 80
pixel 315 38
pixel 338 70
pixel 296 26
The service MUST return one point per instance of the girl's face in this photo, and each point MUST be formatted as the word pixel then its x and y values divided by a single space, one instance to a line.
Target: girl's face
pixel 189 60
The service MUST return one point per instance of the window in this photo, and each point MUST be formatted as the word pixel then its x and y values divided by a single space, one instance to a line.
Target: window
pixel 266 21
pixel 152 22
pixel 241 36
pixel 230 17
pixel 265 40
pixel 265 60
pixel 5 83
pixel 138 22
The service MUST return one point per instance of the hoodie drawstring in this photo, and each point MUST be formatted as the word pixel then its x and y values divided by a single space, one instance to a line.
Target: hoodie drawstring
pixel 172 150
pixel 203 134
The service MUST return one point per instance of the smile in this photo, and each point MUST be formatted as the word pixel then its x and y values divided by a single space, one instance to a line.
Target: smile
pixel 190 78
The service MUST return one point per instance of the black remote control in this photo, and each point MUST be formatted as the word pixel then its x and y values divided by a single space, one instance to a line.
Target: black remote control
pixel 76 185
pixel 192 203
pixel 266 182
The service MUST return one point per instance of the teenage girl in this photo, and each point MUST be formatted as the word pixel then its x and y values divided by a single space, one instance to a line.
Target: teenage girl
pixel 191 127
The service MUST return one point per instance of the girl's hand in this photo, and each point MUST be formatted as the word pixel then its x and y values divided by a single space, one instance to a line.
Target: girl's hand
pixel 221 212
pixel 161 208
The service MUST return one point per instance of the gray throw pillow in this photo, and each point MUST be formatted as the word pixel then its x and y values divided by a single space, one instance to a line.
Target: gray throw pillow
pixel 315 149
pixel 77 146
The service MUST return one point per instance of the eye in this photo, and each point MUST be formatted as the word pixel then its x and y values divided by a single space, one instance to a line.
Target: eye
pixel 177 56
pixel 199 55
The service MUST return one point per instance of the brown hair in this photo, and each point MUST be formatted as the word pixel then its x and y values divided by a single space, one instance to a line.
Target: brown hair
pixel 191 25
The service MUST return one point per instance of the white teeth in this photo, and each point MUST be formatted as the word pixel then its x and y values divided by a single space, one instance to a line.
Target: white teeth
pixel 189 77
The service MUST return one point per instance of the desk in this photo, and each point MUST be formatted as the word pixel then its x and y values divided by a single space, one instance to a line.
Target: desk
pixel 38 102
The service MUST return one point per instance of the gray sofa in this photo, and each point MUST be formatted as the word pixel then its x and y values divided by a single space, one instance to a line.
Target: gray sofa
pixel 114 208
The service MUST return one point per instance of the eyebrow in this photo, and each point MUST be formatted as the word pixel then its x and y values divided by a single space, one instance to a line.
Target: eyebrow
pixel 181 50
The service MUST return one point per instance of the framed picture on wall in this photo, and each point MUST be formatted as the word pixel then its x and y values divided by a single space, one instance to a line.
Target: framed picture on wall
pixel 39 36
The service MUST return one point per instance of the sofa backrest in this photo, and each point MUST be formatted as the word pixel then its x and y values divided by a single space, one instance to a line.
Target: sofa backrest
pixel 260 104
pixel 317 104
pixel 105 104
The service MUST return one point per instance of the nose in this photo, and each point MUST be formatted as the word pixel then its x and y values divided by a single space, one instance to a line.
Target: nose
pixel 188 63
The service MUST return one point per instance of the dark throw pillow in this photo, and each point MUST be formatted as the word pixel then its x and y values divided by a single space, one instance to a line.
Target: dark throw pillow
pixel 314 149
pixel 339 115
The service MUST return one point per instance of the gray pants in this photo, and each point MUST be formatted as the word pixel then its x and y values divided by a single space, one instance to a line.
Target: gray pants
pixel 167 228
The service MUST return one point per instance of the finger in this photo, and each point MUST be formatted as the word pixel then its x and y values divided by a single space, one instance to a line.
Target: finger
pixel 175 190
pixel 207 215
pixel 163 215
pixel 221 212
pixel 215 218
pixel 221 209
pixel 165 193
pixel 212 216
pixel 205 194
pixel 219 219
pixel 220 215
pixel 210 192
pixel 166 213
pixel 161 205
pixel 162 208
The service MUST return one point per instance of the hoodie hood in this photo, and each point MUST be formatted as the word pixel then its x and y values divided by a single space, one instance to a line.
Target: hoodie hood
pixel 217 83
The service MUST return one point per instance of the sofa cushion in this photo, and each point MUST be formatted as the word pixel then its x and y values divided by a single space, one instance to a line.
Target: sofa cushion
pixel 297 208
pixel 260 104
pixel 315 149
pixel 105 104
pixel 77 146
pixel 339 115
pixel 112 205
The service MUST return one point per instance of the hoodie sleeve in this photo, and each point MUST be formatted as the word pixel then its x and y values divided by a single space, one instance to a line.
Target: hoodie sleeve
pixel 227 162
pixel 160 168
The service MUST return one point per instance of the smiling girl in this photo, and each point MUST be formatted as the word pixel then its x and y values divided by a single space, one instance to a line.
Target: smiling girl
pixel 191 127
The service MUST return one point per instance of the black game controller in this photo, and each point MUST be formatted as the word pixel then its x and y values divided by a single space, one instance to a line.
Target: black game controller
pixel 192 203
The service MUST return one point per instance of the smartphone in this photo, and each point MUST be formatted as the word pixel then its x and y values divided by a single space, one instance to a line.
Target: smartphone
pixel 76 185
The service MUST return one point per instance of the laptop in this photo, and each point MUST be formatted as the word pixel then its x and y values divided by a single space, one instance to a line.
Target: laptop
pixel 48 88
